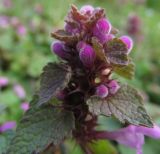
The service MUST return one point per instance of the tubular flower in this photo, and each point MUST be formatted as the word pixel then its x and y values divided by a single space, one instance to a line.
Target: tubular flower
pixel 131 136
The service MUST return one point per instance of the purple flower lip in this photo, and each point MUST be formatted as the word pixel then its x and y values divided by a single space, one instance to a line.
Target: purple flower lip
pixel 57 47
pixel 86 54
pixel 102 91
pixel 131 136
pixel 7 126
pixel 128 41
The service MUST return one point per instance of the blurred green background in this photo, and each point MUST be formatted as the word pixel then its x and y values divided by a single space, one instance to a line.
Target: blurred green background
pixel 25 27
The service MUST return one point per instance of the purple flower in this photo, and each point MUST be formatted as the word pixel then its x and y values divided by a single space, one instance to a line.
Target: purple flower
pixel 25 106
pixel 4 21
pixel 128 41
pixel 58 48
pixel 7 3
pixel 3 81
pixel 87 55
pixel 102 28
pixel 19 90
pixel 87 9
pixel 21 30
pixel 7 126
pixel 102 91
pixel 113 86
pixel 131 136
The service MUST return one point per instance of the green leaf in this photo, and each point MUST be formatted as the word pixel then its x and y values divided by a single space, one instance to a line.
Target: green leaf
pixel 126 105
pixel 5 139
pixel 40 127
pixel 64 36
pixel 125 71
pixel 54 78
pixel 116 52
pixel 102 147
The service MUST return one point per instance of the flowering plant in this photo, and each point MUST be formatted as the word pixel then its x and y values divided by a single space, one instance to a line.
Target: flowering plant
pixel 78 89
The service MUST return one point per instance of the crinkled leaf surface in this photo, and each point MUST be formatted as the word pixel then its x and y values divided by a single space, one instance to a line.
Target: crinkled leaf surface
pixel 5 139
pixel 116 52
pixel 62 35
pixel 40 127
pixel 126 105
pixel 125 71
pixel 54 78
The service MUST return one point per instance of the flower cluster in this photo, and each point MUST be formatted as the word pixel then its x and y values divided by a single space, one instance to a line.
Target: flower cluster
pixel 86 43
pixel 89 45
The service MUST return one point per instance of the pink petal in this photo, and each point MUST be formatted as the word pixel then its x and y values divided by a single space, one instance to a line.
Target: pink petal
pixel 128 41
pixel 7 126
pixel 25 106
pixel 151 132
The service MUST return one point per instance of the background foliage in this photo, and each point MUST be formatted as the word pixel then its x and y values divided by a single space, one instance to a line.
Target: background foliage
pixel 25 50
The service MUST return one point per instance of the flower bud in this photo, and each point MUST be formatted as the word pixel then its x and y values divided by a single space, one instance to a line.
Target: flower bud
pixel 58 48
pixel 87 55
pixel 102 26
pixel 128 41
pixel 87 9
pixel 102 91
pixel 113 86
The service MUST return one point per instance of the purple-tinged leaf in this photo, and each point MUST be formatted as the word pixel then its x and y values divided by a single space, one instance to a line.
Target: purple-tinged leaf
pixel 126 105
pixel 116 52
pixel 53 79
pixel 40 127
pixel 64 36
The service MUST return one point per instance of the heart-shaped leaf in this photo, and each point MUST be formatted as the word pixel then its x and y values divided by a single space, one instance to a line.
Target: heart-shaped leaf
pixel 40 127
pixel 126 105
pixel 54 78
pixel 116 52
